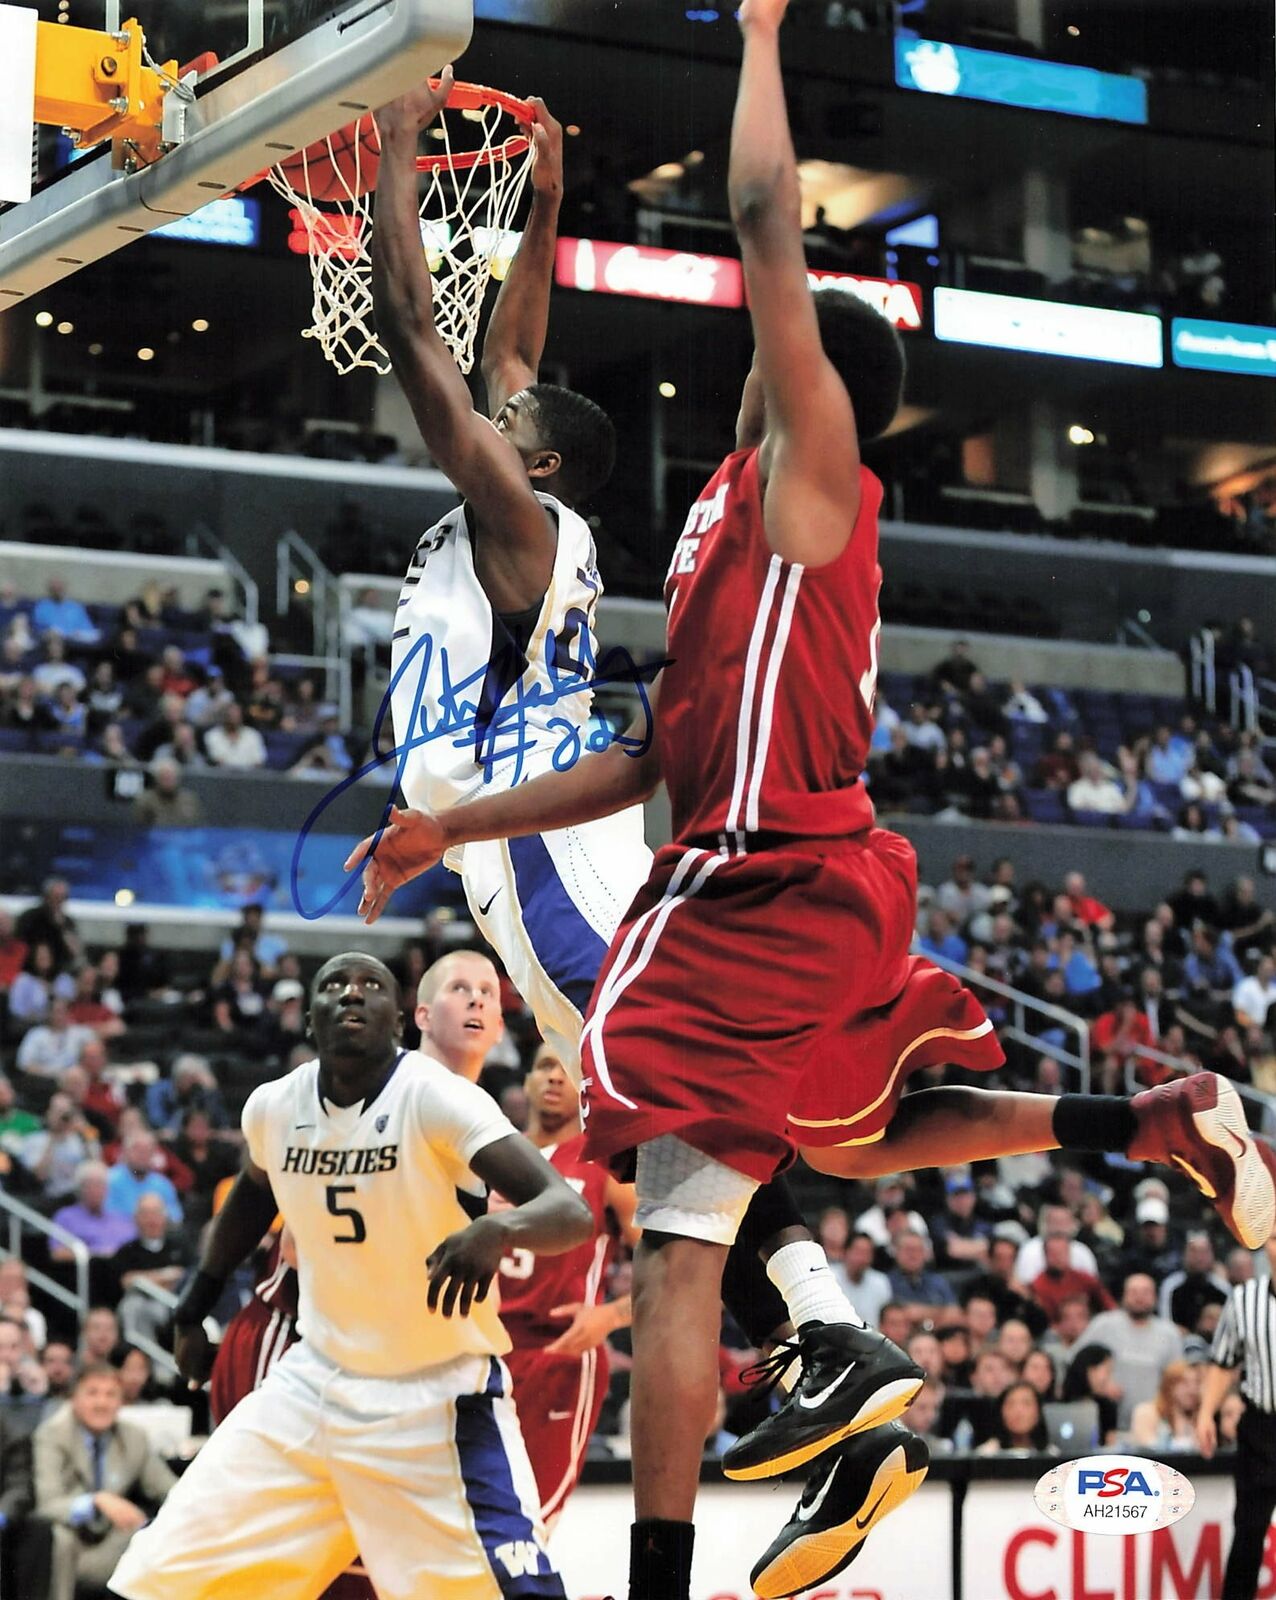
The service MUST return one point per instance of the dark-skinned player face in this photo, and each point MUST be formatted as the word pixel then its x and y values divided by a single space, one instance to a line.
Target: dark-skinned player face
pixel 354 1009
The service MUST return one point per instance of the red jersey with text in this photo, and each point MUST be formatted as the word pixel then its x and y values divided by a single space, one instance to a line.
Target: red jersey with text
pixel 531 1286
pixel 766 708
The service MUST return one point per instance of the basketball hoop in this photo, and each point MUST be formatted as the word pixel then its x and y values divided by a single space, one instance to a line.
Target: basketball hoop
pixel 468 204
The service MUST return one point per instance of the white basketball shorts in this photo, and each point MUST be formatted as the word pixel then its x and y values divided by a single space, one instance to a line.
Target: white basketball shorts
pixel 550 905
pixel 426 1476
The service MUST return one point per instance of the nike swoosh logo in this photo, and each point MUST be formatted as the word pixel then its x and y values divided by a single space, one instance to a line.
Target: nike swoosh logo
pixel 805 1513
pixel 299 1125
pixel 1242 1148
pixel 483 910
pixel 809 1402
pixel 862 1522
pixel 559 1416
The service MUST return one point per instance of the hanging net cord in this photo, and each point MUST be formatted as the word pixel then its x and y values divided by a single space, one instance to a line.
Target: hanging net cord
pixel 468 204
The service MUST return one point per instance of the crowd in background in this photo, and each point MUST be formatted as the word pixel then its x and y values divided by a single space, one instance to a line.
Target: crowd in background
pixel 956 745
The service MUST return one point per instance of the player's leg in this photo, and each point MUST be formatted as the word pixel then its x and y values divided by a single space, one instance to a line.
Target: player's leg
pixel 254 1514
pixel 558 1399
pixel 434 1478
pixel 780 1290
pixel 1195 1125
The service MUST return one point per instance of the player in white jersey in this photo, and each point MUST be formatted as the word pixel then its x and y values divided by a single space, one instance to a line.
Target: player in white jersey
pixel 494 653
pixel 389 1427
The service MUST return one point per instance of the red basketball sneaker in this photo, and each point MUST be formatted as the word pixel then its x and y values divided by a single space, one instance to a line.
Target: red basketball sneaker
pixel 1198 1125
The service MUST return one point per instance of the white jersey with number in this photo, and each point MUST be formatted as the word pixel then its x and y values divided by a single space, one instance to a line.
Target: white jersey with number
pixel 474 707
pixel 369 1191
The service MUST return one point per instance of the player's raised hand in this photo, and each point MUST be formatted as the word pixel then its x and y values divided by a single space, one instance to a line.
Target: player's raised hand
pixel 410 844
pixel 588 1327
pixel 768 13
pixel 547 150
pixel 463 1266
pixel 412 112
pixel 194 1352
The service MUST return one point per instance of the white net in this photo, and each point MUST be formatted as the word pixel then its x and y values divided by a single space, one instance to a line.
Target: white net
pixel 470 193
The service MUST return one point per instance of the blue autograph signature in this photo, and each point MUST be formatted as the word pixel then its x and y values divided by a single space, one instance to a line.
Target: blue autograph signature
pixel 500 742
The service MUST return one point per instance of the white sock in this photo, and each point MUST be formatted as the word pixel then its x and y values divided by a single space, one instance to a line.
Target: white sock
pixel 801 1273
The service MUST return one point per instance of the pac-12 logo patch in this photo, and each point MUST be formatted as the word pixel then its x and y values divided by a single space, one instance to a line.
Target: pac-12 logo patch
pixel 380 1124
pixel 1114 1495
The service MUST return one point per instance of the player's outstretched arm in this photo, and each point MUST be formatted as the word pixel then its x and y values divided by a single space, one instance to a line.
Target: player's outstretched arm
pixel 483 465
pixel 235 1232
pixel 596 786
pixel 516 334
pixel 810 455
pixel 546 1218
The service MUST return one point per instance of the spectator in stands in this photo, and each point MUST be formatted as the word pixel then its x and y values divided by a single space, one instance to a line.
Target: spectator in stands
pixel 15 1121
pixel 211 1157
pixel 267 708
pixel 1124 1030
pixel 49 922
pixel 27 712
pixel 88 1010
pixel 69 713
pixel 960 1236
pixel 22 1380
pixel 1253 784
pixel 58 1360
pixel 144 971
pixel 138 1172
pixel 13 953
pixel 99 1335
pixel 183 749
pixel 1168 1422
pixel 137 1375
pixel 53 1155
pixel 912 1282
pixel 1254 997
pixel 1196 1284
pixel 267 949
pixel 1142 1343
pixel 156 1255
pixel 304 709
pixel 955 671
pixel 1086 910
pixel 146 609
pixel 144 700
pixel 166 804
pixel 1039 1371
pixel 832 1230
pixel 962 895
pixel 99 1230
pixel 1020 1424
pixel 940 939
pixel 867 1289
pixel 328 750
pixel 207 703
pixel 56 613
pixel 1193 824
pixel 1092 1375
pixel 15 1301
pixel 1072 961
pixel 1023 705
pixel 1058 1282
pixel 1168 760
pixel 923 1348
pixel 162 730
pixel 50 1047
pixel 922 731
pixel 1194 903
pixel 1094 790
pixel 1149 1249
pixel 1211 966
pixel 240 1004
pixel 191 1086
pixel 1067 1334
pixel 883 1218
pixel 77 1453
pixel 1031 1260
pixel 104 698
pixel 53 671
pixel 232 744
pixel 1057 768
pixel 178 676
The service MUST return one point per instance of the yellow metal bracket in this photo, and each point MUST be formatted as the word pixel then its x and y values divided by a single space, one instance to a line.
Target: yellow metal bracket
pixel 98 86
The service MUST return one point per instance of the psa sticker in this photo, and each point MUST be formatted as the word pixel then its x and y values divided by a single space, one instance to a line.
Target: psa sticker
pixel 1114 1495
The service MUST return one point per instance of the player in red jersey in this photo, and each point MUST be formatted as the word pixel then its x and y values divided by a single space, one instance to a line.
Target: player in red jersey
pixel 759 996
pixel 561 1372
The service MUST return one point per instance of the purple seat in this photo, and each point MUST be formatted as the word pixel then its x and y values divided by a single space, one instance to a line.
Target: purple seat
pixel 1092 819
pixel 1045 805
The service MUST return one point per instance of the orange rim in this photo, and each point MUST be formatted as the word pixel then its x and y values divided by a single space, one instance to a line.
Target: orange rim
pixel 473 97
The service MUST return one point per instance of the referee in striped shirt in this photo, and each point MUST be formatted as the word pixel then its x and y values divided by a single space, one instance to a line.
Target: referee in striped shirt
pixel 1246 1338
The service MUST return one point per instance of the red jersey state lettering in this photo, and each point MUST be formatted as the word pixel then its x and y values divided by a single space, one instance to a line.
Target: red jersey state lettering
pixel 766 707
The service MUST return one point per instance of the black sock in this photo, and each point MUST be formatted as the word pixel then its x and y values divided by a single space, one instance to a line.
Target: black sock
pixel 1093 1122
pixel 660 1559
pixel 748 1294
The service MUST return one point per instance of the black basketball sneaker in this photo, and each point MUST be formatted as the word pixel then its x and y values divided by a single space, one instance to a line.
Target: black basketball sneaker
pixel 852 1379
pixel 848 1494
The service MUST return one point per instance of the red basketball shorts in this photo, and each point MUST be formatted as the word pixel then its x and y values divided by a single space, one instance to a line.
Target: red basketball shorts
pixel 558 1399
pixel 254 1340
pixel 753 1004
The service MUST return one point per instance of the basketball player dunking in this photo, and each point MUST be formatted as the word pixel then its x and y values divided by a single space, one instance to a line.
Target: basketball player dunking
pixel 501 593
pixel 759 995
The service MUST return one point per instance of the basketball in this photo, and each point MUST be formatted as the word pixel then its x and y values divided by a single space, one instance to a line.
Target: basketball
pixel 338 167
